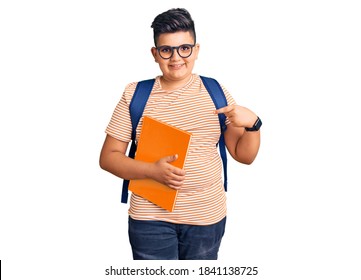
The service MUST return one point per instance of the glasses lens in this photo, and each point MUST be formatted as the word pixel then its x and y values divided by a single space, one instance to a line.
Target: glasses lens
pixel 165 52
pixel 185 50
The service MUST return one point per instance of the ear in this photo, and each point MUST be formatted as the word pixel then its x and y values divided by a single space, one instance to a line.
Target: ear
pixel 154 53
pixel 196 50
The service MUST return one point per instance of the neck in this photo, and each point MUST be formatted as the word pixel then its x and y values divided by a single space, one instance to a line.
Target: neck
pixel 173 84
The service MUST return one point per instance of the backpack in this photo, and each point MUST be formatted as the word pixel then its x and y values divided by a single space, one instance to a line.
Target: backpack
pixel 137 105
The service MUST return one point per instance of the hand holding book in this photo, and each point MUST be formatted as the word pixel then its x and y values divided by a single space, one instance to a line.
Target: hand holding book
pixel 167 174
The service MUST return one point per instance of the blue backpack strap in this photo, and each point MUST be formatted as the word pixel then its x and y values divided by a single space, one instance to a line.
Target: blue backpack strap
pixel 136 108
pixel 219 99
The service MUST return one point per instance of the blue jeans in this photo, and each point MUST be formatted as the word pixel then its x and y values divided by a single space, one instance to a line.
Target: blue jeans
pixel 157 240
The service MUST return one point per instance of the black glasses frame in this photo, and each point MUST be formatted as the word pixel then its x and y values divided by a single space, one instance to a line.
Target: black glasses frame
pixel 177 48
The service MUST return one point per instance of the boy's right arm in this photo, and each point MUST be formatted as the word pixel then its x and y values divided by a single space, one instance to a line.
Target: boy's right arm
pixel 114 160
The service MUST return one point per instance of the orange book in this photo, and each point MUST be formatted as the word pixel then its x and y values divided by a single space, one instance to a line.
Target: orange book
pixel 157 140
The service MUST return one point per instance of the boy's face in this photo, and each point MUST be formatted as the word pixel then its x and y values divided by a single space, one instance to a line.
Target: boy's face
pixel 176 68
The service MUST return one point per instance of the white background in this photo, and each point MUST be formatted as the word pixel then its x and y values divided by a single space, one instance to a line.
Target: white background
pixel 294 213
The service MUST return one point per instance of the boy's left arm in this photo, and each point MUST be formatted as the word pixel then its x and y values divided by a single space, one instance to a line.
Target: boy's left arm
pixel 242 145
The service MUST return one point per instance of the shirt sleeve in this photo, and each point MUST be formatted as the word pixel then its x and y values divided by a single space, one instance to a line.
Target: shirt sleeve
pixel 120 125
pixel 230 100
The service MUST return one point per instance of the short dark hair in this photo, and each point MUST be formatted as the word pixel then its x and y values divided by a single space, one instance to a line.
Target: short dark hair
pixel 172 21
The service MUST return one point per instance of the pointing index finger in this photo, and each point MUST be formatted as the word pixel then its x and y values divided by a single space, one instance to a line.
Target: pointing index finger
pixel 224 110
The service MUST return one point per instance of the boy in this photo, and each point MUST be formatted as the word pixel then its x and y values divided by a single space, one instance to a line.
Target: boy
pixel 195 228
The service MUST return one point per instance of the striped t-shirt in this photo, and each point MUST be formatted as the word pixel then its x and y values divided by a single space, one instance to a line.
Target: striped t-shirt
pixel 201 200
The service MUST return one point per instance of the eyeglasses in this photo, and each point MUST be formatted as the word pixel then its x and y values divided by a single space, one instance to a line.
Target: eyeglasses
pixel 184 51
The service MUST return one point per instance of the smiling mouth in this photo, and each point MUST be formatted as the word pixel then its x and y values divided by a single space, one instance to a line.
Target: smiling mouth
pixel 177 66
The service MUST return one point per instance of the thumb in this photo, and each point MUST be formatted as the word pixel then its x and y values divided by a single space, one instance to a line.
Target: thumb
pixel 172 158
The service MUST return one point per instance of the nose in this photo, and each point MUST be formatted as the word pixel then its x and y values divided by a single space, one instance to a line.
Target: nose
pixel 175 55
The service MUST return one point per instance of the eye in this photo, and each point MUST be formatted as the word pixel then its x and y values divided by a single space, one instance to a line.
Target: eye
pixel 165 49
pixel 185 47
